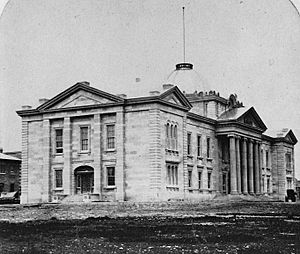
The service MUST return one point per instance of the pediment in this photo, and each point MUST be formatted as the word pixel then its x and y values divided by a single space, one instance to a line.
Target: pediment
pixel 81 98
pixel 175 96
pixel 79 95
pixel 251 118
pixel 290 137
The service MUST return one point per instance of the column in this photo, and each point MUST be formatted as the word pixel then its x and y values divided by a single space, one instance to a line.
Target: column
pixel 67 146
pixel 259 167
pixel 250 166
pixel 46 161
pixel 244 167
pixel 96 139
pixel 265 170
pixel 256 169
pixel 232 150
pixel 238 165
pixel 119 132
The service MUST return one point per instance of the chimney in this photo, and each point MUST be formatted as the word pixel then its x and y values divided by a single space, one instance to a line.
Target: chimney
pixel 154 93
pixel 26 107
pixel 122 95
pixel 43 100
pixel 167 86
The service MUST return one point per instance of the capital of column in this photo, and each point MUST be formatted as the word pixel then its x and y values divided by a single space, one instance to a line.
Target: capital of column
pixel 231 136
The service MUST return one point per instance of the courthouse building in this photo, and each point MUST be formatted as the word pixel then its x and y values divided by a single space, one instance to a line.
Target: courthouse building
pixel 86 144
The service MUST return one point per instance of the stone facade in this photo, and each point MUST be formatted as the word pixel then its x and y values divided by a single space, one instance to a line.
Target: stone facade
pixel 85 144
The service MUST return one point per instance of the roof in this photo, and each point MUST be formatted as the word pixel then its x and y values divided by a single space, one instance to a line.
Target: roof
pixel 233 114
pixel 8 157
pixel 284 134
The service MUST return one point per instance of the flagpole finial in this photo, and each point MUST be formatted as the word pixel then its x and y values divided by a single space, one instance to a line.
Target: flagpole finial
pixel 183 25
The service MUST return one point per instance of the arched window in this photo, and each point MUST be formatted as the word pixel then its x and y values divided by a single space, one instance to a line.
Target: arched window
pixel 175 137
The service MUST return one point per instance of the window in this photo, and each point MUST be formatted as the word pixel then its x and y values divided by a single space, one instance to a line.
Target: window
pixel 111 176
pixel 267 159
pixel 209 180
pixel 58 178
pixel 2 170
pixel 190 175
pixel 199 150
pixel 189 143
pixel 1 187
pixel 59 140
pixel 171 136
pixel 84 138
pixel 289 183
pixel 110 136
pixel 268 184
pixel 263 185
pixel 288 161
pixel 199 180
pixel 12 187
pixel 172 174
pixel 208 147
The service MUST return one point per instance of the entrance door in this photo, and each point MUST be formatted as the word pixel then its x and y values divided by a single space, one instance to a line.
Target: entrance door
pixel 84 180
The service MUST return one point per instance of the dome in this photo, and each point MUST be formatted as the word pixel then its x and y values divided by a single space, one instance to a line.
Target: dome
pixel 187 79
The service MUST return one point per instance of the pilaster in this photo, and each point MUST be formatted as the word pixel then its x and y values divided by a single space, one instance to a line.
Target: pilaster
pixel 67 148
pixel 97 153
pixel 120 164
pixel 46 161
pixel 24 166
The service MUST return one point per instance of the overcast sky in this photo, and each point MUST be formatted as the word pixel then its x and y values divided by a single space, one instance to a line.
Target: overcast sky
pixel 247 47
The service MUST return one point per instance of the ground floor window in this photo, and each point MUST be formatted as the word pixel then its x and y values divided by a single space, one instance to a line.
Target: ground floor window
pixel 172 174
pixel 199 180
pixel 224 182
pixel 268 184
pixel 289 183
pixel 12 187
pixel 209 179
pixel 58 178
pixel 111 176
pixel 1 187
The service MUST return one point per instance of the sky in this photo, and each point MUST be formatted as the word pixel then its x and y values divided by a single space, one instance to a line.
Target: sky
pixel 247 47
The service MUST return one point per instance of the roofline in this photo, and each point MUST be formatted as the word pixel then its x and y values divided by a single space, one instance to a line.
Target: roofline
pixel 201 118
pixel 243 125
pixel 208 98
pixel 125 102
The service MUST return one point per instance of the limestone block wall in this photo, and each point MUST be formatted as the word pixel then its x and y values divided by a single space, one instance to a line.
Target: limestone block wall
pixel 137 145
pixel 203 163
pixel 172 156
pixel 35 163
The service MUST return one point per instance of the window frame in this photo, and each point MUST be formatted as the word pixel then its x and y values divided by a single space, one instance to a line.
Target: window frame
pixel 81 127
pixel 199 145
pixel 189 144
pixel 209 179
pixel 208 147
pixel 172 174
pixel 56 186
pixel 110 137
pixel 56 141
pixel 200 176
pixel 108 185
pixel 190 177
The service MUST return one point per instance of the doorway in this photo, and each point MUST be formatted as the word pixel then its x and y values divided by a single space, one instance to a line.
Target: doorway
pixel 84 176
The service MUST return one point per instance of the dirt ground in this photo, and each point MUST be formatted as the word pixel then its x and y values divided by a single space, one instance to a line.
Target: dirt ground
pixel 206 227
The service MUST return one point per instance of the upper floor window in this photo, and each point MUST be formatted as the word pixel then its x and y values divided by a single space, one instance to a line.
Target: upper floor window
pixel 111 176
pixel 205 108
pixel 172 174
pixel 208 148
pixel 58 140
pixel 199 147
pixel 267 158
pixel 189 143
pixel 84 138
pixel 58 178
pixel 110 136
pixel 171 136
pixel 288 160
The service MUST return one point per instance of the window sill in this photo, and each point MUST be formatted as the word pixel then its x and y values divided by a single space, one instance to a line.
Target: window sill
pixel 58 189
pixel 2 173
pixel 199 158
pixel 172 186
pixel 110 150
pixel 58 154
pixel 110 187
pixel 85 152
pixel 190 156
pixel 209 159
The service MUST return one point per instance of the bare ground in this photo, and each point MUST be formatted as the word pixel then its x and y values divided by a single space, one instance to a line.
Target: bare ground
pixel 208 227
